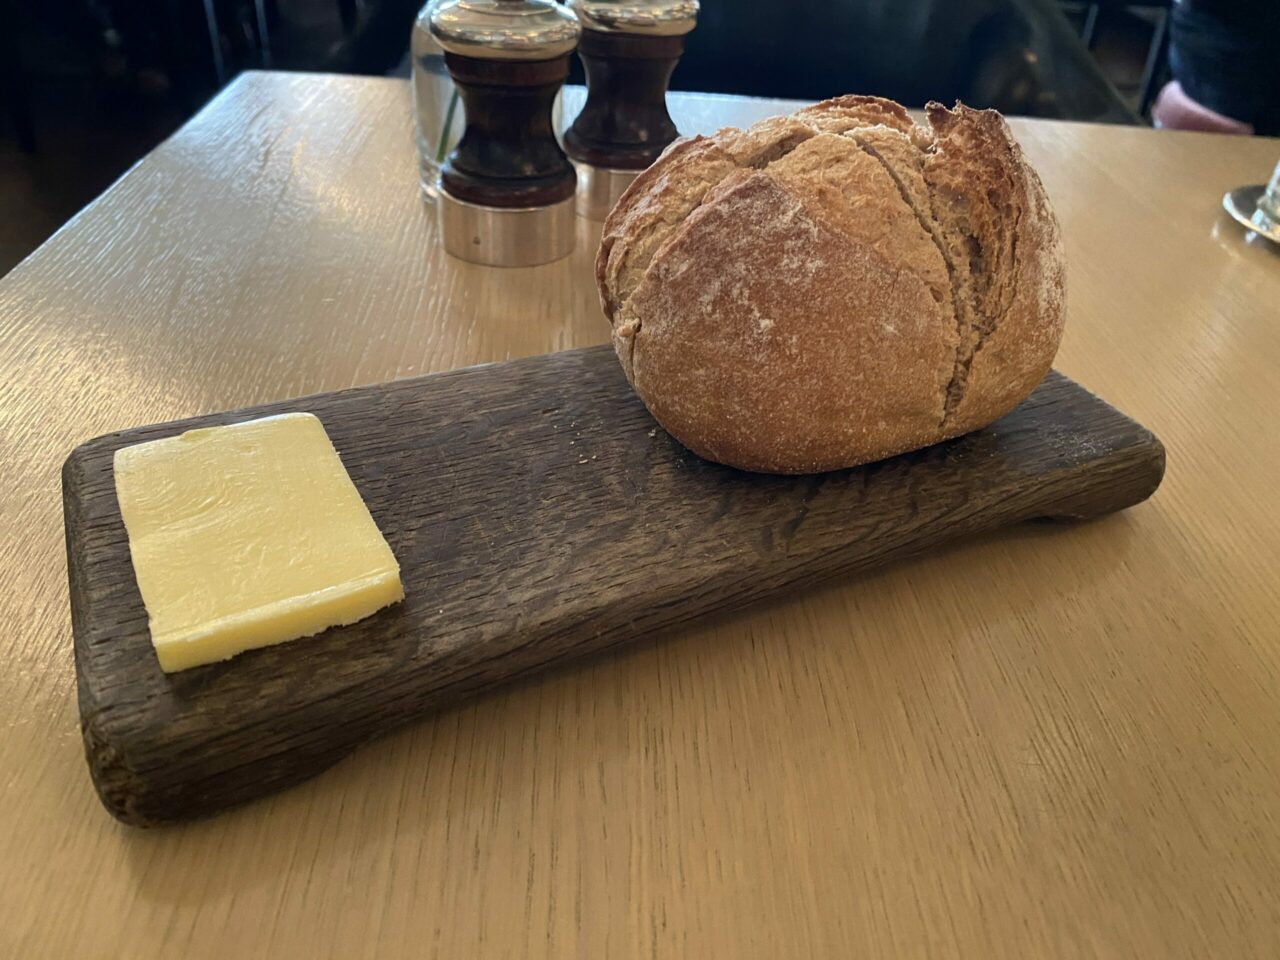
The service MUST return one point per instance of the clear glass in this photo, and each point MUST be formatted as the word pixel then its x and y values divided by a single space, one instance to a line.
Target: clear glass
pixel 437 109
pixel 1270 202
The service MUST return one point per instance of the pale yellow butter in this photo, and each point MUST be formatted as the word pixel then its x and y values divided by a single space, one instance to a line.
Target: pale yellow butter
pixel 248 535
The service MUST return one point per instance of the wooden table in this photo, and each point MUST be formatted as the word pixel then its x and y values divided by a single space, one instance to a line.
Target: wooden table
pixel 1058 741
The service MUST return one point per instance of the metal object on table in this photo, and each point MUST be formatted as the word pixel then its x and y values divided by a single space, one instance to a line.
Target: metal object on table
pixel 1244 205
pixel 658 18
pixel 599 189
pixel 1257 207
pixel 629 49
pixel 507 188
pixel 504 29
pixel 516 237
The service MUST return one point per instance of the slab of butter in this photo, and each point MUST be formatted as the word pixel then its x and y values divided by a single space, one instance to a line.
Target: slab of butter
pixel 249 535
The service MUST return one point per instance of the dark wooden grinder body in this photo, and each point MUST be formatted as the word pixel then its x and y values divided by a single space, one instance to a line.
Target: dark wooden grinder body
pixel 624 124
pixel 508 155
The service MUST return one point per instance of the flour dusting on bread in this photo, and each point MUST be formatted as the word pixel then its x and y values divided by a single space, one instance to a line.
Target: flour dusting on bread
pixel 834 287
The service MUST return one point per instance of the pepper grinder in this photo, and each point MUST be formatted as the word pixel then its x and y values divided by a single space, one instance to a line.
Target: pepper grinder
pixel 506 189
pixel 629 49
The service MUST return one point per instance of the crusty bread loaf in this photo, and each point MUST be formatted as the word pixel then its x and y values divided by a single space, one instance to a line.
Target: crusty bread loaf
pixel 834 287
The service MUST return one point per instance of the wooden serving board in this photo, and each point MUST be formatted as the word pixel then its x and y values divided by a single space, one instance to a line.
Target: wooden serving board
pixel 539 515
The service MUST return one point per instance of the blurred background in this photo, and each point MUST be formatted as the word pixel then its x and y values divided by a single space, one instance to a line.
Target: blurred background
pixel 87 87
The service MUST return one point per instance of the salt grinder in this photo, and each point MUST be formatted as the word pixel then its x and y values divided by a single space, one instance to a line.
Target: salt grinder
pixel 629 49
pixel 507 189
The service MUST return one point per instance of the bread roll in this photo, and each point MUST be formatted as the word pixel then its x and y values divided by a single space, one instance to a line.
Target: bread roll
pixel 834 287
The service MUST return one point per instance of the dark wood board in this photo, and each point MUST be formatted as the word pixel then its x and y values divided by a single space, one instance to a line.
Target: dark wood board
pixel 539 515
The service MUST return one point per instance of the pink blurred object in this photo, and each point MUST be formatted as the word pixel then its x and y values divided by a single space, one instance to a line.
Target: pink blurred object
pixel 1174 110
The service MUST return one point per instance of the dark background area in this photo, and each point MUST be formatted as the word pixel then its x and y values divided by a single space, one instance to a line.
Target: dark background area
pixel 90 86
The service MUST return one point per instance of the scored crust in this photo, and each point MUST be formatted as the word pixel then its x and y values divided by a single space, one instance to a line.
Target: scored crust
pixel 834 287
pixel 742 314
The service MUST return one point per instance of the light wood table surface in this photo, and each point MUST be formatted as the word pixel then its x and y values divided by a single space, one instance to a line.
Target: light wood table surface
pixel 1057 741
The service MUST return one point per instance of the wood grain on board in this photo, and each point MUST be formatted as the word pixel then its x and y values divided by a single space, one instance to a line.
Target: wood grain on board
pixel 539 515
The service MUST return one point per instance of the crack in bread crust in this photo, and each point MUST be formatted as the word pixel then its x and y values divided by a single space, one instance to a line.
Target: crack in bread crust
pixel 727 153
pixel 730 151
pixel 929 223
pixel 902 190
pixel 962 268
pixel 641 213
pixel 972 263
pixel 965 327
pixel 986 329
pixel 962 134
